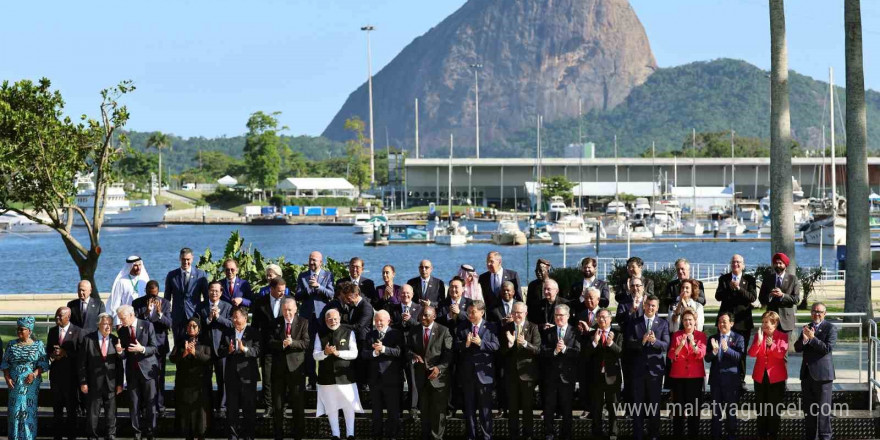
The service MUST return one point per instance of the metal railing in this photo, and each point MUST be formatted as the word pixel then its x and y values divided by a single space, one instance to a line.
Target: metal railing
pixel 705 272
pixel 874 346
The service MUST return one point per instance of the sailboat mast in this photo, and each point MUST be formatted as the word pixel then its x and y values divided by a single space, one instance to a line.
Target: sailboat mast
pixel 733 172
pixel 449 190
pixel 694 176
pixel 833 167
pixel 538 183
pixel 417 128
pixel 580 158
pixel 616 184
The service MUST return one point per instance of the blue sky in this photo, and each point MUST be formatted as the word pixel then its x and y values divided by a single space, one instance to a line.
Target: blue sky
pixel 201 67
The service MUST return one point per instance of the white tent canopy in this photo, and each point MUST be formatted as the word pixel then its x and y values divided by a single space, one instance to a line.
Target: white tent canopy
pixel 316 186
pixel 606 189
pixel 706 196
pixel 227 180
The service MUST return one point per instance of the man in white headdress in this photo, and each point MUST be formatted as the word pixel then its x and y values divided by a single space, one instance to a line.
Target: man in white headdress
pixel 129 285
pixel 335 349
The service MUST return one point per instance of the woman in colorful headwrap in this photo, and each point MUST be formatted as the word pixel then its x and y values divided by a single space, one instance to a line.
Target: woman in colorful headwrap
pixel 24 361
pixel 472 289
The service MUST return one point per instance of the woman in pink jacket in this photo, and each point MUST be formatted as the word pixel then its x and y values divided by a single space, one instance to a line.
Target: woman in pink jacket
pixel 687 348
pixel 769 348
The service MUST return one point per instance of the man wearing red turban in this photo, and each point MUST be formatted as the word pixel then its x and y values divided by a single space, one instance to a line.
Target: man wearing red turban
pixel 781 292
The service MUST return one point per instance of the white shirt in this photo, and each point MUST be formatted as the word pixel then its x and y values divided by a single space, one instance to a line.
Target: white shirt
pixel 348 355
pixel 319 305
pixel 124 292
pixel 276 305
pixel 508 307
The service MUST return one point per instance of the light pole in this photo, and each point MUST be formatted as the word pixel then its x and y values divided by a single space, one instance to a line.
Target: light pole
pixel 369 28
pixel 477 68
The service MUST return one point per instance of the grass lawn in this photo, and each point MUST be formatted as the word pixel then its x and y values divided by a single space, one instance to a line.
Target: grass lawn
pixel 194 194
pixel 175 204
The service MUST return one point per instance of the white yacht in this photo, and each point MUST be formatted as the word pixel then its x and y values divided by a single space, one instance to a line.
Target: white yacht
pixel 118 210
pixel 692 227
pixel 638 230
pixel 616 207
pixel 451 234
pixel 508 233
pixel 641 209
pixel 14 222
pixel 615 226
pixel 557 209
pixel 359 221
pixel 830 231
pixel 571 230
pixel 731 225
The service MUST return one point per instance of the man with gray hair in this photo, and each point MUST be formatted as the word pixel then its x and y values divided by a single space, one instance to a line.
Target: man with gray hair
pixel 383 357
pixel 520 346
pixel 138 341
pixel 100 375
pixel 544 316
pixel 673 289
pixel 560 352
pixel 476 342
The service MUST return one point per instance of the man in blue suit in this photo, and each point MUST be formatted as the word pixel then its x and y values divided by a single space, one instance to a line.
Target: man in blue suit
pixel 476 342
pixel 185 288
pixel 817 372
pixel 214 318
pixel 236 291
pixel 156 311
pixel 138 341
pixel 647 340
pixel 723 353
pixel 314 289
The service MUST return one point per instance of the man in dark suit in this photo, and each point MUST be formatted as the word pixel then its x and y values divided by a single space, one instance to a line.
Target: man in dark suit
pixel 452 310
pixel 185 287
pixel 560 350
pixel 266 310
pixel 430 346
pixel 314 289
pixel 236 291
pixel 544 316
pixel 737 291
pixel 578 291
pixel 85 309
pixel 214 321
pixel 62 346
pixel 647 340
pixel 428 290
pixel 781 292
pixel 100 375
pixel 603 362
pixel 520 346
pixel 156 311
pixel 501 313
pixel 535 290
pixel 355 275
pixel 138 341
pixel 585 321
pixel 817 342
pixel 240 347
pixel 634 266
pixel 476 343
pixel 289 345
pixel 673 289
pixel 359 318
pixel 724 351
pixel 383 353
pixel 404 317
pixel 492 279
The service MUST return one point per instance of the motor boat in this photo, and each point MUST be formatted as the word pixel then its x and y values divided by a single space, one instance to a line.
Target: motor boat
pixel 615 226
pixel 692 227
pixel 508 233
pixel 616 208
pixel 641 209
pixel 360 220
pixel 638 230
pixel 451 234
pixel 829 231
pixel 368 226
pixel 118 211
pixel 14 222
pixel 557 209
pixel 732 226
pixel 570 230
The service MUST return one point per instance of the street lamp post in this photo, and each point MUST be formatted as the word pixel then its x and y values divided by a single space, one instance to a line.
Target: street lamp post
pixel 477 68
pixel 369 28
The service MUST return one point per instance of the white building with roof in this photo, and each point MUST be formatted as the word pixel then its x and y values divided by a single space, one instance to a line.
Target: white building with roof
pixel 317 187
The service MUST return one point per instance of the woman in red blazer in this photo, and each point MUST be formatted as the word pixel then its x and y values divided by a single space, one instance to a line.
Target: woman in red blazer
pixel 769 348
pixel 686 352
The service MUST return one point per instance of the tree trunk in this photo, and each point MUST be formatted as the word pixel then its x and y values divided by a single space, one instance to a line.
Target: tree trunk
pixel 858 236
pixel 781 206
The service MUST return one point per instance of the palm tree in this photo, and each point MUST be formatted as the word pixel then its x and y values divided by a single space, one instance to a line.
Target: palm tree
pixel 159 141
pixel 781 205
pixel 858 235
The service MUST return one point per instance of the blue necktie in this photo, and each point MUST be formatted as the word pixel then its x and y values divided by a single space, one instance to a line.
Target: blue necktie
pixel 720 351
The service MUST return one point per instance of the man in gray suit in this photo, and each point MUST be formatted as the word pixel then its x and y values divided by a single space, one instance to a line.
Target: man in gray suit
pixel 817 372
pixel 781 292
pixel 138 341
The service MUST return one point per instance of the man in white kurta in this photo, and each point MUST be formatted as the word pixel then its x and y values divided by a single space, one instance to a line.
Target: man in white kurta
pixel 335 349
pixel 129 285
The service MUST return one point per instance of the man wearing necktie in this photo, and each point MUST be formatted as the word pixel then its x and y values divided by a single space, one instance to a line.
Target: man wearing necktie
pixel 560 351
pixel 430 346
pixel 156 311
pixel 100 376
pixel 85 309
pixel 476 342
pixel 737 291
pixel 266 310
pixel 604 349
pixel 781 292
pixel 405 317
pixel 727 348
pixel 236 291
pixel 383 358
pixel 817 342
pixel 647 339
pixel 520 346
pixel 62 346
pixel 138 341
pixel 289 345
pixel 185 288
pixel 314 289
pixel 491 280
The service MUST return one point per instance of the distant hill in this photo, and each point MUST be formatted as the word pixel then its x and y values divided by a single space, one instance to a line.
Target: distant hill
pixel 709 96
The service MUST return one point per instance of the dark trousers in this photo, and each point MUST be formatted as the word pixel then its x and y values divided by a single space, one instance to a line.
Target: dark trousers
pixel 288 388
pixel 520 396
pixel 311 370
pixel 266 399
pixel 477 404
pixel 747 339
pixel 584 389
pixel 218 401
pixel 142 403
pixel 65 399
pixel 557 400
pixel 385 397
pixel 411 400
pixel 768 396
pixel 160 382
pixel 817 408
pixel 603 394
pixel 432 404
pixel 96 402
pixel 686 394
pixel 646 394
pixel 725 397
pixel 241 396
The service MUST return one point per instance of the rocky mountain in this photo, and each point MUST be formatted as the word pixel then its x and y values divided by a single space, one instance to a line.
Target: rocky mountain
pixel 537 57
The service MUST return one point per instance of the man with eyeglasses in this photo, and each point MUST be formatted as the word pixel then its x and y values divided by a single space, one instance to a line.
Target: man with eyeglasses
pixel 236 291
pixel 817 372
pixel 603 361
pixel 543 317
pixel 630 310
pixel 428 290
pixel 560 351
pixel 520 346
pixel 356 276
pixel 737 291
pixel 634 266
pixel 647 340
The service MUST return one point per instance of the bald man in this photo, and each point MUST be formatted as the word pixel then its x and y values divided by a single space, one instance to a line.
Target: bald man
pixel 314 289
pixel 85 309
pixel 62 346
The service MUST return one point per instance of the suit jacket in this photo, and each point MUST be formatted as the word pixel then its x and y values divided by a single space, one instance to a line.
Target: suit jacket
pixel 603 362
pixel 521 363
pixel 144 363
pixel 625 314
pixel 673 291
pixel 621 292
pixel 62 371
pixel 443 312
pixel 534 294
pixel 772 360
pixel 739 301
pixel 396 312
pixel 307 295
pixel 290 359
pixel 264 319
pixel 385 369
pixel 161 324
pixel 101 374
pixel 562 367
pixel 728 364
pixel 212 330
pixel 818 363
pixel 543 314
pixel 577 289
pixel 493 298
pixel 367 286
pixel 647 359
pixel 89 322
pixel 360 319
pixel 784 306
pixel 240 289
pixel 438 354
pixel 497 313
pixel 241 367
pixel 476 362
pixel 185 299
pixel 435 293
pixel 688 363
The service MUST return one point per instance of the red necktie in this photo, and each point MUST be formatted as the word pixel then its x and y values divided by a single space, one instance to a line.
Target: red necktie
pixel 604 341
pixel 133 337
pixel 427 335
pixel 104 348
pixel 287 330
pixel 475 330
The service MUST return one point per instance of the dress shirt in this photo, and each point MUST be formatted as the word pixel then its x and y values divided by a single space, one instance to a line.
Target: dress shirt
pixel 508 307
pixel 276 306
pixel 722 337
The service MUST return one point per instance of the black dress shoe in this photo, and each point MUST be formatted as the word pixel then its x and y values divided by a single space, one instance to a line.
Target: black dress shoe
pixel 351 437
pixel 334 438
